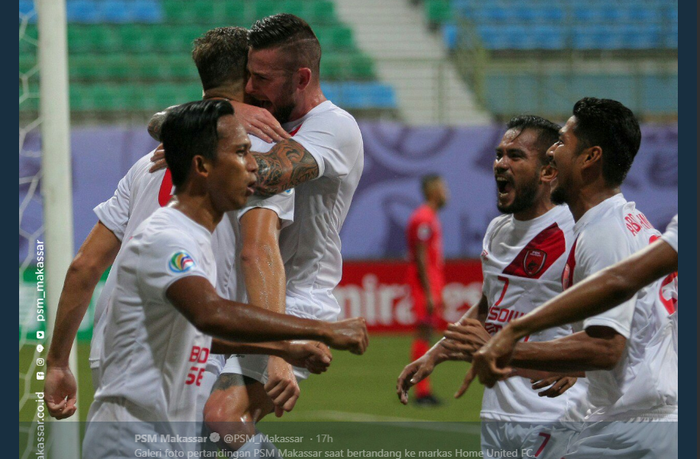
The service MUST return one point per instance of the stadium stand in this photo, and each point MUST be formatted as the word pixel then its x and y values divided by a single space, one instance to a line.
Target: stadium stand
pixel 638 34
pixel 133 55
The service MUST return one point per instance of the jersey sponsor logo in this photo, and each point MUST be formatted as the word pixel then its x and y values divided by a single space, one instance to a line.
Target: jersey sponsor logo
pixel 181 262
pixel 539 254
pixel 534 261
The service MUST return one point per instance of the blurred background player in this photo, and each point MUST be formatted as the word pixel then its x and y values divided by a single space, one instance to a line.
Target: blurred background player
pixel 166 288
pixel 426 272
pixel 596 294
pixel 524 252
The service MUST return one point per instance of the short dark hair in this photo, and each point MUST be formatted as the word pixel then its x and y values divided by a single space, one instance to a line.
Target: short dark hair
pixel 292 33
pixel 427 180
pixel 613 127
pixel 189 130
pixel 547 132
pixel 221 56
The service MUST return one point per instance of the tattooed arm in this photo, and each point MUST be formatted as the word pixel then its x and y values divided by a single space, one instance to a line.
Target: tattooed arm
pixel 285 166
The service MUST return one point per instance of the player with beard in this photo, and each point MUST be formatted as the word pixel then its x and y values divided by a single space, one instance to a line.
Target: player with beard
pixel 629 352
pixel 324 160
pixel 524 252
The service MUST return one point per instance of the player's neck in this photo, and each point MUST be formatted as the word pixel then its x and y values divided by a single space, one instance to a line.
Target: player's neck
pixel 538 209
pixel 233 92
pixel 589 197
pixel 310 101
pixel 197 207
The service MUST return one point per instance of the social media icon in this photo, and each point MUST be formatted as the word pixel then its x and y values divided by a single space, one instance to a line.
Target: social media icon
pixel 39 334
pixel 40 375
pixel 40 348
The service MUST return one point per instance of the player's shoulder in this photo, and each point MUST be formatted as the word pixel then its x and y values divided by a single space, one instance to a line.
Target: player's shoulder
pixel 497 222
pixel 167 225
pixel 329 116
pixel 422 214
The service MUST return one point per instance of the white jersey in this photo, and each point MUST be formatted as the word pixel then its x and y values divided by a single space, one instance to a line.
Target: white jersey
pixel 310 246
pixel 645 381
pixel 153 357
pixel 522 263
pixel 139 194
pixel 671 234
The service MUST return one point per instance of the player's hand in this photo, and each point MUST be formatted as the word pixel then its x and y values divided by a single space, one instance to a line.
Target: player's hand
pixel 156 123
pixel 349 335
pixel 490 362
pixel 416 371
pixel 158 159
pixel 468 378
pixel 557 385
pixel 464 338
pixel 281 386
pixel 259 122
pixel 312 355
pixel 60 392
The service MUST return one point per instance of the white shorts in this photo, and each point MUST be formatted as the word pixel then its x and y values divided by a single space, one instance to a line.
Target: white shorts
pixel 215 363
pixel 638 438
pixel 523 440
pixel 116 429
pixel 255 366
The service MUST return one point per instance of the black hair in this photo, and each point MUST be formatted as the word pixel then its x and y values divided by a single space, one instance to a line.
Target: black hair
pixel 190 130
pixel 426 181
pixel 221 56
pixel 613 127
pixel 547 132
pixel 291 32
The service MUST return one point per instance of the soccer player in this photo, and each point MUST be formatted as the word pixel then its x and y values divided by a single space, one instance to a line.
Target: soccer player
pixel 629 352
pixel 426 272
pixel 326 153
pixel 524 252
pixel 220 56
pixel 599 293
pixel 165 307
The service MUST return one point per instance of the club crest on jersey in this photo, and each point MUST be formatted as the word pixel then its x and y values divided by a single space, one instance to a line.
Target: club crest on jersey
pixel 181 262
pixel 534 261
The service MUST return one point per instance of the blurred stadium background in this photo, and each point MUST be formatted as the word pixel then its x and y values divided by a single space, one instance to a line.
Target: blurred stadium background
pixel 431 83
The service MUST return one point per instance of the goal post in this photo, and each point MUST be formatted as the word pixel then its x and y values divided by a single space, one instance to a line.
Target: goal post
pixel 56 187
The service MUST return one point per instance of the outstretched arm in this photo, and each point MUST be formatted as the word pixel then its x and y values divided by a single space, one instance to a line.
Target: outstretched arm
pixel 598 293
pixel 95 255
pixel 198 301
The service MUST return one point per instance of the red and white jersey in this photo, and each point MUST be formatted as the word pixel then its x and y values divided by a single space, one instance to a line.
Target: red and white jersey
pixel 424 227
pixel 645 381
pixel 152 355
pixel 310 246
pixel 522 263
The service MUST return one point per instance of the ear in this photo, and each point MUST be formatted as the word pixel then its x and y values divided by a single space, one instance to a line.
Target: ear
pixel 304 75
pixel 201 165
pixel 591 157
pixel 547 173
